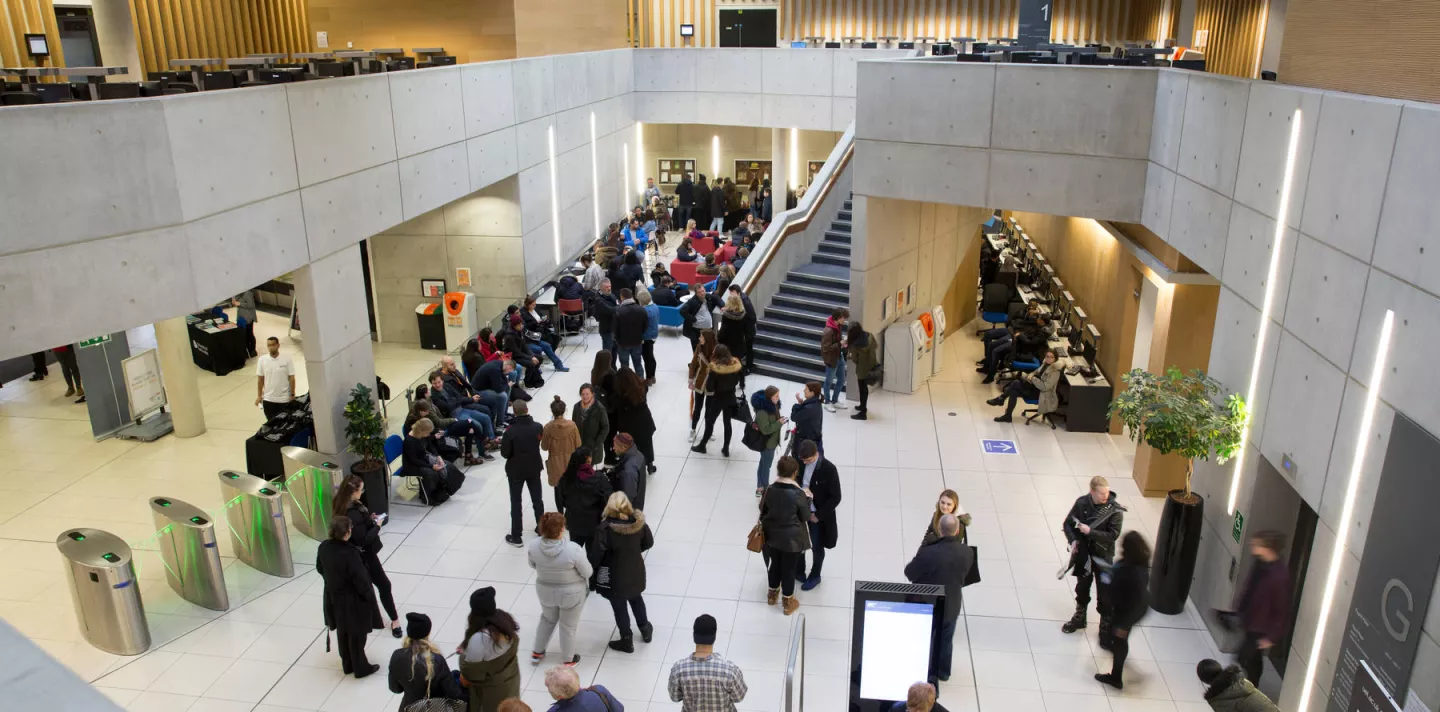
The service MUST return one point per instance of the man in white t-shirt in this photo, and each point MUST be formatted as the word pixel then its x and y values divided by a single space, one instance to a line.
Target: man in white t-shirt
pixel 275 382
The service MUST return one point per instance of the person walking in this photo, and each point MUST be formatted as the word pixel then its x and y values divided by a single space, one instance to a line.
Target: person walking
pixel 652 332
pixel 418 670
pixel 832 352
pixel 592 420
pixel 1227 690
pixel 863 350
pixel 348 599
pixel 947 503
pixel 784 519
pixel 65 356
pixel 944 562
pixel 819 477
pixel 616 554
pixel 808 416
pixel 581 497
pixel 274 380
pixel 558 439
pixel 487 653
pixel 1092 527
pixel 1264 604
pixel 725 374
pixel 699 376
pixel 245 317
pixel 563 684
pixel 520 446
pixel 703 681
pixel 37 360
pixel 629 473
pixel 1129 582
pixel 631 414
pixel 365 536
pixel 769 422
pixel 562 576
pixel 631 321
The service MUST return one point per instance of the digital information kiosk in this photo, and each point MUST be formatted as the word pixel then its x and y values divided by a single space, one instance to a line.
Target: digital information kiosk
pixel 893 642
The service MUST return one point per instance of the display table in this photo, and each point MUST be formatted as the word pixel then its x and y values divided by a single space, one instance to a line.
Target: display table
pixel 217 350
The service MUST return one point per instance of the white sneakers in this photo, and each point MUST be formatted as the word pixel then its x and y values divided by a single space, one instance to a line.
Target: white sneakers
pixel 838 405
pixel 830 407
pixel 693 434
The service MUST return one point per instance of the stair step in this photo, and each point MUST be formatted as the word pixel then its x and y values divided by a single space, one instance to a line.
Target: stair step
pixel 804 358
pixel 787 372
pixel 835 248
pixel 830 295
pixel 840 226
pixel 786 340
pixel 800 303
pixel 847 205
pixel 844 214
pixel 770 325
pixel 832 259
pixel 819 280
pixel 836 236
pixel 796 317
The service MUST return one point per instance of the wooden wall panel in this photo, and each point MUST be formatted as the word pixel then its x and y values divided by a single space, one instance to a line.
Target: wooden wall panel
pixel 1334 44
pixel 1237 32
pixel 21 17
pixel 471 30
pixel 1153 20
pixel 546 27
pixel 180 29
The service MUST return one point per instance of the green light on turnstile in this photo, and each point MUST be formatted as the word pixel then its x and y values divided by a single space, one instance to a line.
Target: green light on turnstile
pixel 267 491
pixel 330 465
pixel 199 520
pixel 108 556
pixel 162 502
pixel 77 536
pixel 232 475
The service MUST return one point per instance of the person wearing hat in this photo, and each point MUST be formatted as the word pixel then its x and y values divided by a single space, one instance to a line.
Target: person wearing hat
pixel 520 446
pixel 417 669
pixel 348 602
pixel 630 473
pixel 487 655
pixel 703 681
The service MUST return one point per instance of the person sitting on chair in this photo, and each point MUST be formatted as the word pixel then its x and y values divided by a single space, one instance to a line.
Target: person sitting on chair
pixel 1040 383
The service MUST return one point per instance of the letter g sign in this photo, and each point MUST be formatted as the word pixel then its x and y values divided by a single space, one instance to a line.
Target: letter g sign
pixel 1400 617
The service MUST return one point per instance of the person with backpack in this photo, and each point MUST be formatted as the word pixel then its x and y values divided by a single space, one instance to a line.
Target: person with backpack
pixel 1228 690
pixel 769 423
pixel 520 446
pixel 616 554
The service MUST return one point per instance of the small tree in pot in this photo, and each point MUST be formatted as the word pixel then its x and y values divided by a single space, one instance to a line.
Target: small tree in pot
pixel 365 430
pixel 1185 414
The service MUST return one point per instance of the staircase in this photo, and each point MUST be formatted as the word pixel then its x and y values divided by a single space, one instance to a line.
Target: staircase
pixel 787 338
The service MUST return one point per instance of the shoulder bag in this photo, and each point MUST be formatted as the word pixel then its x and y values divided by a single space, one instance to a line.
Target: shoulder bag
pixel 755 541
pixel 753 438
pixel 603 699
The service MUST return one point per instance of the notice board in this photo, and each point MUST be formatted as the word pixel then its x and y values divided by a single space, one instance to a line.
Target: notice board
pixel 143 383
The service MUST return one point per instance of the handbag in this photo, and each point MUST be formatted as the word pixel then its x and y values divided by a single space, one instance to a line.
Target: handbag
pixel 755 540
pixel 973 576
pixel 876 374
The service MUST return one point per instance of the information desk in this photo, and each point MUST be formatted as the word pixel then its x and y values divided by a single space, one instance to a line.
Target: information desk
pixel 218 349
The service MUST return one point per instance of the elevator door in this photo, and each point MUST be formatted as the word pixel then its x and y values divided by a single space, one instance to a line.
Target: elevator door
pixel 1277 506
pixel 748 28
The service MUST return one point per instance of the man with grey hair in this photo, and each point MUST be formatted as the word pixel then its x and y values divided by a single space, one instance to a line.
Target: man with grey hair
pixel 944 562
pixel 563 684
pixel 919 698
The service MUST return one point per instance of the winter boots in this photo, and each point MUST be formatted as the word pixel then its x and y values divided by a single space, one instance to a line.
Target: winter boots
pixel 1076 622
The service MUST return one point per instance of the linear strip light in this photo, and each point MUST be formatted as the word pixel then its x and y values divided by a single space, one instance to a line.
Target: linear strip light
pixel 794 173
pixel 715 156
pixel 1260 38
pixel 594 176
pixel 1282 217
pixel 554 196
pixel 625 159
pixel 1347 513
pixel 639 158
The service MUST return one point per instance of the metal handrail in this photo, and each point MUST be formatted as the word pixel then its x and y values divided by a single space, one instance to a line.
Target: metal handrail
pixel 793 658
pixel 799 217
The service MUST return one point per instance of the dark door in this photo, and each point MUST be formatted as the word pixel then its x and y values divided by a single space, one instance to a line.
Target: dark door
pixel 748 28
pixel 77 37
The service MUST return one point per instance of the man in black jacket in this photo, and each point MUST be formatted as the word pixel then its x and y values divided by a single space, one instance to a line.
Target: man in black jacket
pixel 697 315
pixel 702 203
pixel 664 293
pixel 944 562
pixel 520 447
pixel 685 195
pixel 602 307
pixel 808 416
pixel 1092 527
pixel 717 207
pixel 823 480
pixel 492 383
pixel 630 322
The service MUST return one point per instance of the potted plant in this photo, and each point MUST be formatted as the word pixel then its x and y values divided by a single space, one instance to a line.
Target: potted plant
pixel 365 431
pixel 1185 414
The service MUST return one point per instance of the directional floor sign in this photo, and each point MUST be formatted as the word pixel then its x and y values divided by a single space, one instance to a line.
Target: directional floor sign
pixel 1000 447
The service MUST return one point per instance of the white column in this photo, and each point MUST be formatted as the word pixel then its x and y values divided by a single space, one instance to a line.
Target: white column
pixel 115 32
pixel 779 166
pixel 335 332
pixel 178 370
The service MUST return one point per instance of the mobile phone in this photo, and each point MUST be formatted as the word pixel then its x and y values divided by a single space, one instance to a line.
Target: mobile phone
pixel 382 517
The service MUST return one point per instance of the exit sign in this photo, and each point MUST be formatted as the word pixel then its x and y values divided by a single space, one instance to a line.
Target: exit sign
pixel 1239 526
pixel 95 341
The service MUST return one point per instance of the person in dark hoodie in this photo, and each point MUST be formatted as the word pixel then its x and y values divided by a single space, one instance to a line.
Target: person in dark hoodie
pixel 808 415
pixel 1265 604
pixel 1129 583
pixel 685 199
pixel 733 328
pixel 520 446
pixel 581 496
pixel 418 669
pixel 629 474
pixel 1092 527
pixel 1227 690
pixel 717 207
pixel 944 562
pixel 616 554
pixel 631 320
pixel 724 375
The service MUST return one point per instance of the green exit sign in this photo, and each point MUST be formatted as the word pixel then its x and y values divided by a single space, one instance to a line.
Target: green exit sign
pixel 94 342
pixel 1239 526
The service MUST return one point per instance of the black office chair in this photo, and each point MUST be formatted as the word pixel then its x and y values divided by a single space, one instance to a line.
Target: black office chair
pixel 180 88
pixel 995 305
pixel 334 69
pixel 120 90
pixel 19 98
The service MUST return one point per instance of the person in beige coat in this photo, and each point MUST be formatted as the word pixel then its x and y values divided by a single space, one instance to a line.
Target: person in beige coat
pixel 1040 384
pixel 559 439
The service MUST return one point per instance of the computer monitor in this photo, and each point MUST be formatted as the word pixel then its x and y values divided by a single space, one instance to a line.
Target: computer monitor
pixel 53 93
pixel 219 80
pixel 400 63
pixel 1087 349
pixel 334 69
pixel 979 47
pixel 274 76
pixel 907 45
pixel 832 45
pixel 869 45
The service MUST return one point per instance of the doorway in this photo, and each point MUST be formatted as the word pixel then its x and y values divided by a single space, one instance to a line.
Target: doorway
pixel 749 28
pixel 77 36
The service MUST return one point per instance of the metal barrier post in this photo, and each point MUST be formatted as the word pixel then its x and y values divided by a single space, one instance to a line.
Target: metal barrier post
pixel 105 590
pixel 795 663
pixel 188 550
pixel 255 514
pixel 311 479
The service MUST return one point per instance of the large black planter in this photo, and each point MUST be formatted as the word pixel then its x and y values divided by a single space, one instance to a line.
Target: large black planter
pixel 1176 546
pixel 377 488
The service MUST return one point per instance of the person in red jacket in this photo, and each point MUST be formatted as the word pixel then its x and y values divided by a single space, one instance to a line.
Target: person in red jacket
pixel 1265 604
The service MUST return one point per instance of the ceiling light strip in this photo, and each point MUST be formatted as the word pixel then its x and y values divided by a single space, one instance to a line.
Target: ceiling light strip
pixel 554 195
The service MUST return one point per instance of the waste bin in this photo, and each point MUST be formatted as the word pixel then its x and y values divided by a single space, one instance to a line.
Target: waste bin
pixel 105 590
pixel 431 320
pixel 188 550
pixel 311 479
pixel 255 513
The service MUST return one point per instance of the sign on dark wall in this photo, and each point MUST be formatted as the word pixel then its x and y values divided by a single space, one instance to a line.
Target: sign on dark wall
pixel 1397 569
pixel 1367 695
pixel 1035 19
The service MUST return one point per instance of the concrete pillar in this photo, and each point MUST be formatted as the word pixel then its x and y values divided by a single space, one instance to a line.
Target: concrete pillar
pixel 779 168
pixel 177 368
pixel 335 333
pixel 1185 26
pixel 115 32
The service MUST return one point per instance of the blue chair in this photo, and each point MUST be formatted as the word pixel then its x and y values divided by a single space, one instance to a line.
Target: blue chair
pixel 394 447
pixel 1017 367
pixel 993 320
pixel 670 316
pixel 710 287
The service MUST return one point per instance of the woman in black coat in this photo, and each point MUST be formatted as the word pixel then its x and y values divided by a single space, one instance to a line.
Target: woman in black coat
pixel 616 550
pixel 784 517
pixel 725 375
pixel 365 536
pixel 630 413
pixel 349 598
pixel 580 495
pixel 418 669
pixel 1129 582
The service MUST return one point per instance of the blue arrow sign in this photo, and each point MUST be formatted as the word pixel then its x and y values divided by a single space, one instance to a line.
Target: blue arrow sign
pixel 1000 447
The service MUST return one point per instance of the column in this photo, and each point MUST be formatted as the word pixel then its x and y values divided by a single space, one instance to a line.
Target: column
pixel 177 368
pixel 335 333
pixel 1185 26
pixel 115 31
pixel 779 168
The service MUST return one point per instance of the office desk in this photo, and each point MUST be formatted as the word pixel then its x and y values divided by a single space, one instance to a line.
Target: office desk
pixel 93 76
pixel 1086 403
pixel 197 68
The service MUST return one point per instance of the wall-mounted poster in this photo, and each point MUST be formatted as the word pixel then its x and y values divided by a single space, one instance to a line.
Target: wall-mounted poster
pixel 462 277
pixel 671 170
pixel 814 168
pixel 432 288
pixel 747 169
pixel 900 302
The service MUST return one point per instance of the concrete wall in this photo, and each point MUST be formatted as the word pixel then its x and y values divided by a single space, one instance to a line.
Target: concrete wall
pixel 480 232
pixel 923 243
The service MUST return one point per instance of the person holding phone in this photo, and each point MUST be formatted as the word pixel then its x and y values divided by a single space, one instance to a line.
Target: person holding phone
pixel 365 536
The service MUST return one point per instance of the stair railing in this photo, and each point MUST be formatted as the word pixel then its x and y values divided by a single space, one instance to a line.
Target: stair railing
pixel 815 208
pixel 795 667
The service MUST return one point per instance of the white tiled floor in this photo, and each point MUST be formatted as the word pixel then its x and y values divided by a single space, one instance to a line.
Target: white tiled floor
pixel 267 652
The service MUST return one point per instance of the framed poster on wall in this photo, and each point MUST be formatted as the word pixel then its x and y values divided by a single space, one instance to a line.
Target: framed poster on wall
pixel 669 171
pixel 813 167
pixel 747 169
